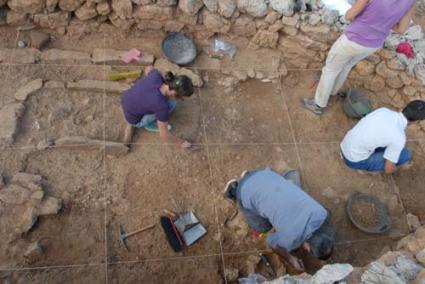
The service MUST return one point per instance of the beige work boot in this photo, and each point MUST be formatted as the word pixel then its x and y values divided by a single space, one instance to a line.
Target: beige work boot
pixel 128 134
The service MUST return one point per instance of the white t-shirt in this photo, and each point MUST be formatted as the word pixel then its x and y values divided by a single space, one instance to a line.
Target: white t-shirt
pixel 382 128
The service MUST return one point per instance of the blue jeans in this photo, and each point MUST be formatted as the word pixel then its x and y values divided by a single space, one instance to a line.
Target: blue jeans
pixel 376 161
pixel 254 220
pixel 151 118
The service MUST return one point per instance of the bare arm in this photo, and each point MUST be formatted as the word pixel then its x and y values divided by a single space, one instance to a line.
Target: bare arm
pixel 288 259
pixel 147 69
pixel 402 26
pixel 390 167
pixel 167 137
pixel 357 8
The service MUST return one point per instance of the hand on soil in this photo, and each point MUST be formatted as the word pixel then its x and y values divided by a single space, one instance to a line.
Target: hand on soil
pixel 186 145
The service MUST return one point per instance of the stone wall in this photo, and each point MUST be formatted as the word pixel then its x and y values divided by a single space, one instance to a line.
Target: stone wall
pixel 303 36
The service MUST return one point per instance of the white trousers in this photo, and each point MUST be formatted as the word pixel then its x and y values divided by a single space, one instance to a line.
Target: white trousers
pixel 344 54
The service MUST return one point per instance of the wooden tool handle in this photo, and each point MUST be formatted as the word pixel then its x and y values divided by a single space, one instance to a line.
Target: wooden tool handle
pixel 139 231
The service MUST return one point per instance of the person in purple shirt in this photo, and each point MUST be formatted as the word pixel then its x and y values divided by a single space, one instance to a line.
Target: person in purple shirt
pixel 149 103
pixel 372 21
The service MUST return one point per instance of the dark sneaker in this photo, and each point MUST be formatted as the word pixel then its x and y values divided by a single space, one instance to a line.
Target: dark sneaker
pixel 230 190
pixel 311 106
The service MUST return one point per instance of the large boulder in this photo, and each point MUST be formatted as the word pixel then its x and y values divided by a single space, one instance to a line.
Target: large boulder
pixel 255 8
pixel 190 7
pixel 27 6
pixel 9 117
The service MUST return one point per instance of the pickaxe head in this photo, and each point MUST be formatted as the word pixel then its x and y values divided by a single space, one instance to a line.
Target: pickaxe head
pixel 123 237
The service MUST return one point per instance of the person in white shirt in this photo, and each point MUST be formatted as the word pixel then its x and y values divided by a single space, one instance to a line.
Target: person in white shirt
pixel 377 142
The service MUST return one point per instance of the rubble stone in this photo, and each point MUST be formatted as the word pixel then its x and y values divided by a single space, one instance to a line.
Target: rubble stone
pixel 409 91
pixel 54 85
pixel 26 6
pixel 190 7
pixel 276 27
pixel 65 56
pixel 120 23
pixel 395 64
pixel 420 257
pixel 14 194
pixel 50 206
pixel 291 21
pixel 152 12
pixel 86 12
pixel 70 5
pixel 173 26
pixel 103 8
pixel 29 181
pixel 375 84
pixel 212 5
pixel 27 220
pixel 384 71
pixel 395 83
pixel 244 26
pixel 226 7
pixel 329 17
pixel 53 20
pixel 314 19
pixel 420 278
pixel 123 8
pixel 386 53
pixel 283 7
pixel 99 86
pixel 166 2
pixel 9 117
pixel 215 23
pixel 14 18
pixel 23 92
pixel 365 68
pixel 255 8
pixel 51 5
pixel 374 58
pixel 413 222
pixel 311 30
pixel 266 39
pixel 272 17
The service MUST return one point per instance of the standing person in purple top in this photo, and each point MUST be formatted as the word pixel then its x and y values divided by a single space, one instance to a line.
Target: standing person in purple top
pixel 372 21
pixel 149 103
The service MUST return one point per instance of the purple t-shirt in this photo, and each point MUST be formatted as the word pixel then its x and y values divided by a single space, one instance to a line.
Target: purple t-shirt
pixel 145 98
pixel 372 26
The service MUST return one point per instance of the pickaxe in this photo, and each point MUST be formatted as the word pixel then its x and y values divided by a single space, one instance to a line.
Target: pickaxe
pixel 123 236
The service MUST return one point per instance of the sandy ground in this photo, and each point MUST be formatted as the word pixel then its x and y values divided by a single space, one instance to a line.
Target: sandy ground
pixel 256 125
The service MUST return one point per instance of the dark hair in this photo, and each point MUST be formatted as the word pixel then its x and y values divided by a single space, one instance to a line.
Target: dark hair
pixel 415 110
pixel 181 84
pixel 323 240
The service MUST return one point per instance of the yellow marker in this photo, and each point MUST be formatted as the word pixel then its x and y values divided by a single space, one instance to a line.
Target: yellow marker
pixel 263 235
